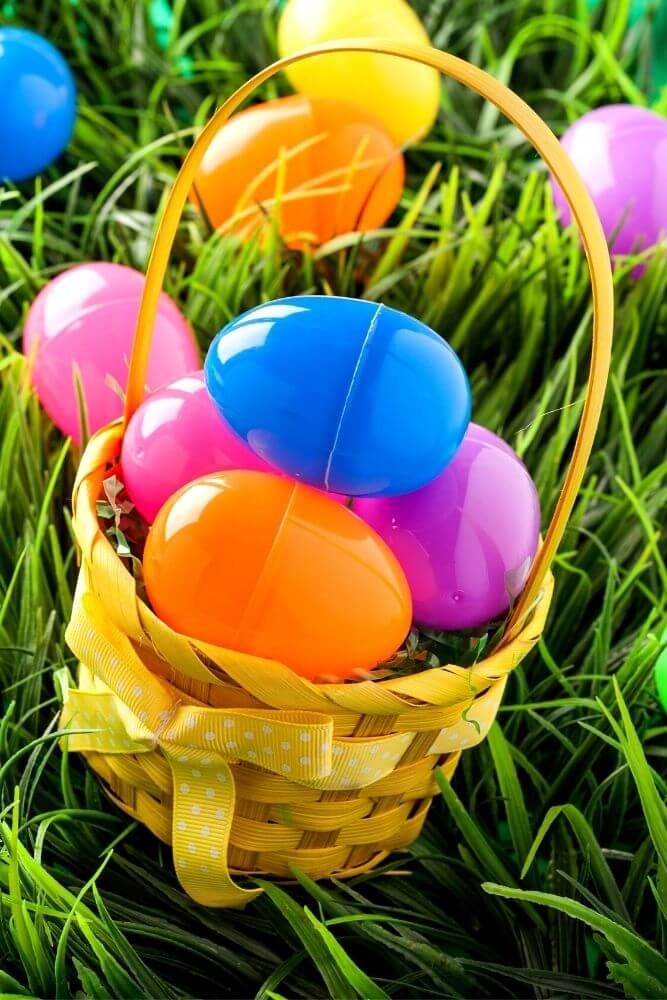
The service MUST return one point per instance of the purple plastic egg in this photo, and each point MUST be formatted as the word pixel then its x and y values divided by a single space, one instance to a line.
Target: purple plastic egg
pixel 467 539
pixel 621 153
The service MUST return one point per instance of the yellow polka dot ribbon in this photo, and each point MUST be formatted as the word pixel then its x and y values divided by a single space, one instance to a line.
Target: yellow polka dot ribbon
pixel 122 707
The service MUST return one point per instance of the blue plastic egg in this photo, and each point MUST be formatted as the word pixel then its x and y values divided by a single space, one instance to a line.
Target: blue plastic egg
pixel 343 394
pixel 38 104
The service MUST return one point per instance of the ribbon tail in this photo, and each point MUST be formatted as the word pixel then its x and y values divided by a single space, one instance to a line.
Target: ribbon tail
pixel 202 813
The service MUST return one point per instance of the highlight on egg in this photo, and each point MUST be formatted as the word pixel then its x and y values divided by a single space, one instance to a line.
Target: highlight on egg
pixel 254 562
pixel 318 166
pixel 344 394
pixel 467 540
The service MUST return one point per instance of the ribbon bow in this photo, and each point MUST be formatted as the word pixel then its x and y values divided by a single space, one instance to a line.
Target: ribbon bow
pixel 121 707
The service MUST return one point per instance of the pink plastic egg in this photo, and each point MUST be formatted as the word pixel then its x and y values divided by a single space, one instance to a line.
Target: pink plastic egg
pixel 467 539
pixel 178 435
pixel 83 321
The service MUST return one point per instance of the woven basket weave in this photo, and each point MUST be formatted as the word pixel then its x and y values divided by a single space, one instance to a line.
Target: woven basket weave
pixel 239 763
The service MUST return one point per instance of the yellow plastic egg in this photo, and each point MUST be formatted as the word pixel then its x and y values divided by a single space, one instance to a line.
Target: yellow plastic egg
pixel 404 95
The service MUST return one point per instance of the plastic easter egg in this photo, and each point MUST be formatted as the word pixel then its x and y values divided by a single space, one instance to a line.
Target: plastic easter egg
pixel 404 95
pixel 81 327
pixel 175 436
pixel 620 151
pixel 263 565
pixel 38 106
pixel 467 540
pixel 343 394
pixel 321 167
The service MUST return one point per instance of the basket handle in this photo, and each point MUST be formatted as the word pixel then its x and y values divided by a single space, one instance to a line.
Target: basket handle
pixel 583 211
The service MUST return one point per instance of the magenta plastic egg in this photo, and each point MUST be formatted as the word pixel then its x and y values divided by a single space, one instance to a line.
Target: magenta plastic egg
pixel 83 321
pixel 176 436
pixel 621 153
pixel 466 540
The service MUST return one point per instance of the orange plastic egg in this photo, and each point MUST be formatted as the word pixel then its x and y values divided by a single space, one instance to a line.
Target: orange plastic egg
pixel 319 166
pixel 257 563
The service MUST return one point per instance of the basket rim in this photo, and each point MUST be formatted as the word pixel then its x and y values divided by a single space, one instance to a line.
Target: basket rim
pixel 103 451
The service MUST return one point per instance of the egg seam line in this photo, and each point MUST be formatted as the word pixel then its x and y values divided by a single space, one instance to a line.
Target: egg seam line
pixel 257 589
pixel 372 326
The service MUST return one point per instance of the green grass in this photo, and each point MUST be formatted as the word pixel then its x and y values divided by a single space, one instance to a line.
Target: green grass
pixel 542 870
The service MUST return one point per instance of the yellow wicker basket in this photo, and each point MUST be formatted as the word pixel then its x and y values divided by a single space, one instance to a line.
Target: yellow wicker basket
pixel 240 764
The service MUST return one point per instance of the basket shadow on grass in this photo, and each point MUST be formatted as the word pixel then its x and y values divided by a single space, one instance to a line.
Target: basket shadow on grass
pixel 562 806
